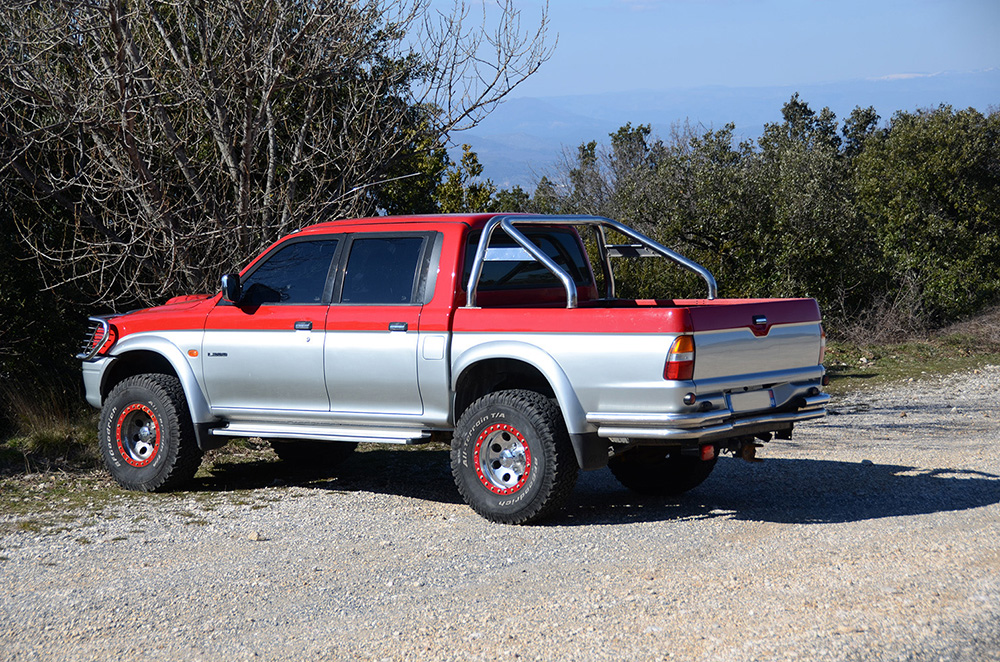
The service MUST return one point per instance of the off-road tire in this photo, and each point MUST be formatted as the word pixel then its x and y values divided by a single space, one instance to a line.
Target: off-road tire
pixel 658 471
pixel 512 458
pixel 313 455
pixel 146 435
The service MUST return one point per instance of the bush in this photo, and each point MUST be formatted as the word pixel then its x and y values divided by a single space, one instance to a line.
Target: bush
pixel 892 230
pixel 929 186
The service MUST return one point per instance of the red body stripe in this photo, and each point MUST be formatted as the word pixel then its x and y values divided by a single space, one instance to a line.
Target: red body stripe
pixel 683 316
pixel 620 317
pixel 443 312
pixel 577 320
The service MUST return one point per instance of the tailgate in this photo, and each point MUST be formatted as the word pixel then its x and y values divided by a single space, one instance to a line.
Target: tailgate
pixel 746 337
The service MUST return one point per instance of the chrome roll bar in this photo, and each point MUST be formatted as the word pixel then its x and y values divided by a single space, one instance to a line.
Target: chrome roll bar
pixel 645 247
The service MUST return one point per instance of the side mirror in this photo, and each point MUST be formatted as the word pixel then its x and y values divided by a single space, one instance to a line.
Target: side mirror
pixel 231 288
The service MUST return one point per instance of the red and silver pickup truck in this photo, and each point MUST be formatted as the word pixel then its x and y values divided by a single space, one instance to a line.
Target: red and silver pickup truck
pixel 487 329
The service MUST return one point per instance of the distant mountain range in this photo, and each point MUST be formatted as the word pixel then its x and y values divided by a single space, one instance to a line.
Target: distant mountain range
pixel 527 137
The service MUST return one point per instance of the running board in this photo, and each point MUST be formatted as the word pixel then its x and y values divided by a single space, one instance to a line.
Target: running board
pixel 323 432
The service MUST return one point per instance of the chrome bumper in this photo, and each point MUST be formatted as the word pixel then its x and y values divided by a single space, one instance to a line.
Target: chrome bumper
pixel 719 423
pixel 93 374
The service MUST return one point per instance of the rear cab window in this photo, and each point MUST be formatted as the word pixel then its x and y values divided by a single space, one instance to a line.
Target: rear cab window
pixel 523 280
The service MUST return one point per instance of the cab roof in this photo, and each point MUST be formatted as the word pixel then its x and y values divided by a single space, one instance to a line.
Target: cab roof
pixel 472 220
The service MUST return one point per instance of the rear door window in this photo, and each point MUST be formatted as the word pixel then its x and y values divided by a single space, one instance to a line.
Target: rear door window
pixel 383 270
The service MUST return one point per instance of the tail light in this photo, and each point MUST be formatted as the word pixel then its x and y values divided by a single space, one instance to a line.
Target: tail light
pixel 680 360
pixel 822 344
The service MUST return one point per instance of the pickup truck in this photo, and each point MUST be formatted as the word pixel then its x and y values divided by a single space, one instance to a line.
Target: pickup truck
pixel 501 333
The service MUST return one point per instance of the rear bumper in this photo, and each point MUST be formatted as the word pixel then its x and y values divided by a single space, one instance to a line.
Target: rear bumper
pixel 720 423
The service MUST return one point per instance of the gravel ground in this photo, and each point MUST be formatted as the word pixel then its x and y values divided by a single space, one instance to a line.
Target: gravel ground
pixel 873 535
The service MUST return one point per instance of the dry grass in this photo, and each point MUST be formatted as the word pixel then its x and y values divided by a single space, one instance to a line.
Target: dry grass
pixel 892 318
pixel 53 431
pixel 983 329
pixel 964 346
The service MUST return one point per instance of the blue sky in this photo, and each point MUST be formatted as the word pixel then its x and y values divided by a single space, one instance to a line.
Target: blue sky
pixel 711 62
pixel 620 45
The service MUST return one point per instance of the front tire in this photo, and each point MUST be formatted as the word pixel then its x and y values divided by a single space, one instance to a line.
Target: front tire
pixel 511 457
pixel 658 471
pixel 146 435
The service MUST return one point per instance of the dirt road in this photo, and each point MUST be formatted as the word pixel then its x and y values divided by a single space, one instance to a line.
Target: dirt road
pixel 873 535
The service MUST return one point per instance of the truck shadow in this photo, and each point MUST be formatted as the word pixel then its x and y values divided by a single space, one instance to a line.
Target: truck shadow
pixel 800 491
pixel 419 473
pixel 791 491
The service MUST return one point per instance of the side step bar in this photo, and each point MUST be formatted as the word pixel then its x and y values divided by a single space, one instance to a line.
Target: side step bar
pixel 323 432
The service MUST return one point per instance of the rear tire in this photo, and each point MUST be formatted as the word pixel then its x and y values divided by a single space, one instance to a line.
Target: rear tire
pixel 512 458
pixel 146 435
pixel 658 471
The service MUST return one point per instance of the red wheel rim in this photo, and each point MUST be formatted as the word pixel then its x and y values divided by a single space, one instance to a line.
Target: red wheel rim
pixel 502 459
pixel 138 434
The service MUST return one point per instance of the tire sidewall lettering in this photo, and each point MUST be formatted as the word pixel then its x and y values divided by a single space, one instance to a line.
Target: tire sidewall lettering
pixel 110 441
pixel 164 442
pixel 488 419
pixel 521 494
pixel 480 423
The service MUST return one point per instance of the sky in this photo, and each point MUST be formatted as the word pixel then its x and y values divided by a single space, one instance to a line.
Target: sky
pixel 711 62
pixel 607 46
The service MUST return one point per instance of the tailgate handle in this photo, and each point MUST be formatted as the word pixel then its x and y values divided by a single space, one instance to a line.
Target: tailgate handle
pixel 304 326
pixel 759 320
pixel 398 326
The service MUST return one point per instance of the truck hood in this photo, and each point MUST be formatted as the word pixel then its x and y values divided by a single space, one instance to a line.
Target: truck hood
pixel 183 312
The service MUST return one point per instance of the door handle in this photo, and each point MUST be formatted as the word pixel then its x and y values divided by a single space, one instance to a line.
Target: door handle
pixel 303 326
pixel 398 326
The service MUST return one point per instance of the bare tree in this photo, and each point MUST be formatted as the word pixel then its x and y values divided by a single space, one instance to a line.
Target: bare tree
pixel 161 138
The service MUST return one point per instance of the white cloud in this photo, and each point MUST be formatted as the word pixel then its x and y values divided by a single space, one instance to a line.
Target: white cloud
pixel 904 76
